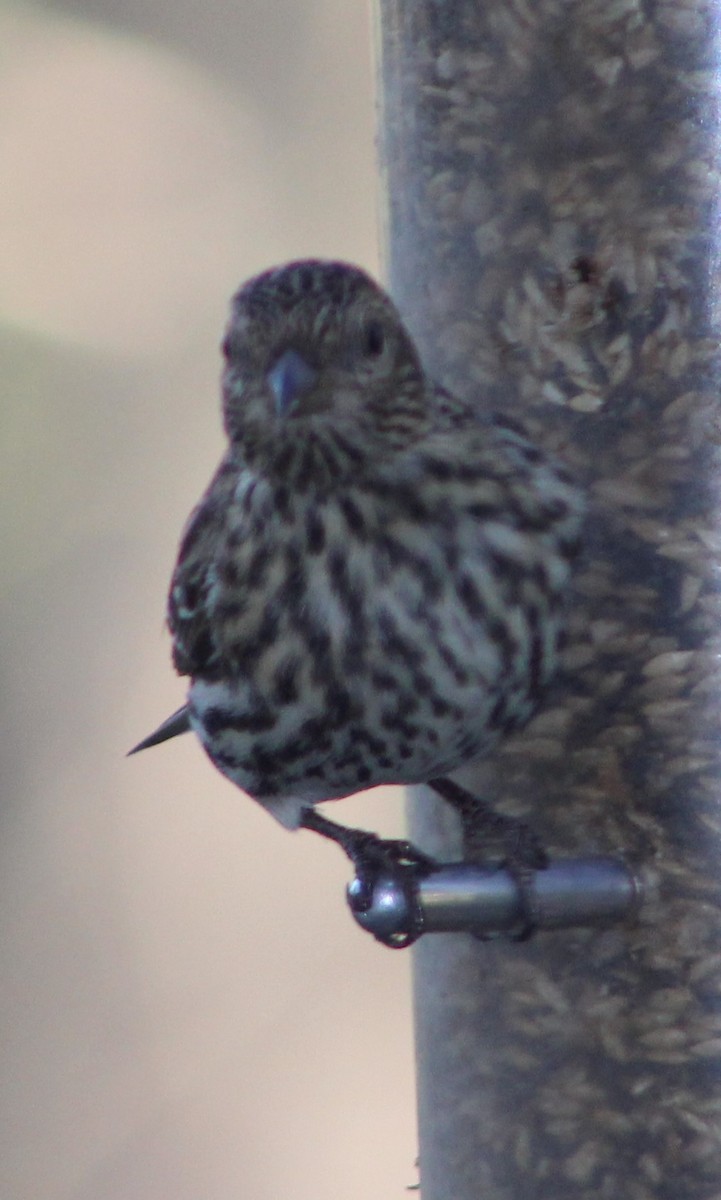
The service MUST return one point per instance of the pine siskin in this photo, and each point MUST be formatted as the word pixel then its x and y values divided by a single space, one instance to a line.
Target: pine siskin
pixel 371 589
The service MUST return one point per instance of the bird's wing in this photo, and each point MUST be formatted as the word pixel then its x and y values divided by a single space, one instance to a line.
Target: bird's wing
pixel 195 648
pixel 494 471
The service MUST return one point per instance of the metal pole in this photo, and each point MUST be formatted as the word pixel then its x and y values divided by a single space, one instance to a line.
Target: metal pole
pixel 551 208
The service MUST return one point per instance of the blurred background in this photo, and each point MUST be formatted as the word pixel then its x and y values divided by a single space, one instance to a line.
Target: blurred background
pixel 187 1008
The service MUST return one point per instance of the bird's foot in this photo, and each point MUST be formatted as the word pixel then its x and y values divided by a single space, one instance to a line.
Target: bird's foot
pixel 373 857
pixel 520 849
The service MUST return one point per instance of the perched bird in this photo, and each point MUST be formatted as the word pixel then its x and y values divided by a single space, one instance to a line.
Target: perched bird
pixel 371 589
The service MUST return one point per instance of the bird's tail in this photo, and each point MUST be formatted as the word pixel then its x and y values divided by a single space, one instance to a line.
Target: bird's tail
pixel 171 727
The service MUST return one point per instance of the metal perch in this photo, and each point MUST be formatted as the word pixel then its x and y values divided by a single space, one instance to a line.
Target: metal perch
pixel 466 898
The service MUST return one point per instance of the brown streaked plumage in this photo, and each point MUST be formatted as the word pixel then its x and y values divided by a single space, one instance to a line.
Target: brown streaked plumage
pixel 371 589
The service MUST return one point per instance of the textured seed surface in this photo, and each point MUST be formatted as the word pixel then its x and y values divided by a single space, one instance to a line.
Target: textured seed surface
pixel 553 180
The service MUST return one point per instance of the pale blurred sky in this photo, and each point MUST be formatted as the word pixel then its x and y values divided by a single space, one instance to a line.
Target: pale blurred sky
pixel 187 1008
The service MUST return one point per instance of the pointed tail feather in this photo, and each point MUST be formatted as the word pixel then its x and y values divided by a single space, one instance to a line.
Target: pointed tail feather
pixel 178 723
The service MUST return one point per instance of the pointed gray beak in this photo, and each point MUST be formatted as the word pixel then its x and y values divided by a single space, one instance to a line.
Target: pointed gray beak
pixel 288 378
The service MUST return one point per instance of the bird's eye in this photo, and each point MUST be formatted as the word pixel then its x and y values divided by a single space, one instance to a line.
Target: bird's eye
pixel 374 339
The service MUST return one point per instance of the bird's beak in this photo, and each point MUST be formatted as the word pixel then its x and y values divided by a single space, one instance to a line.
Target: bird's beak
pixel 288 378
pixel 177 724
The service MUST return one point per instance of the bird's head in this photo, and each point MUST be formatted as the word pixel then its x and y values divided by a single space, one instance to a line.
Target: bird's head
pixel 321 377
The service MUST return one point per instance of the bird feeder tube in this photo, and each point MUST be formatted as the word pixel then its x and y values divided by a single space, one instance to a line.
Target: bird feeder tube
pixel 551 184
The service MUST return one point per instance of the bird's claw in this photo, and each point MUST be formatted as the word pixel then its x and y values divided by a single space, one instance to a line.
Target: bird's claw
pixel 523 855
pixel 519 848
pixel 373 856
pixel 523 848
